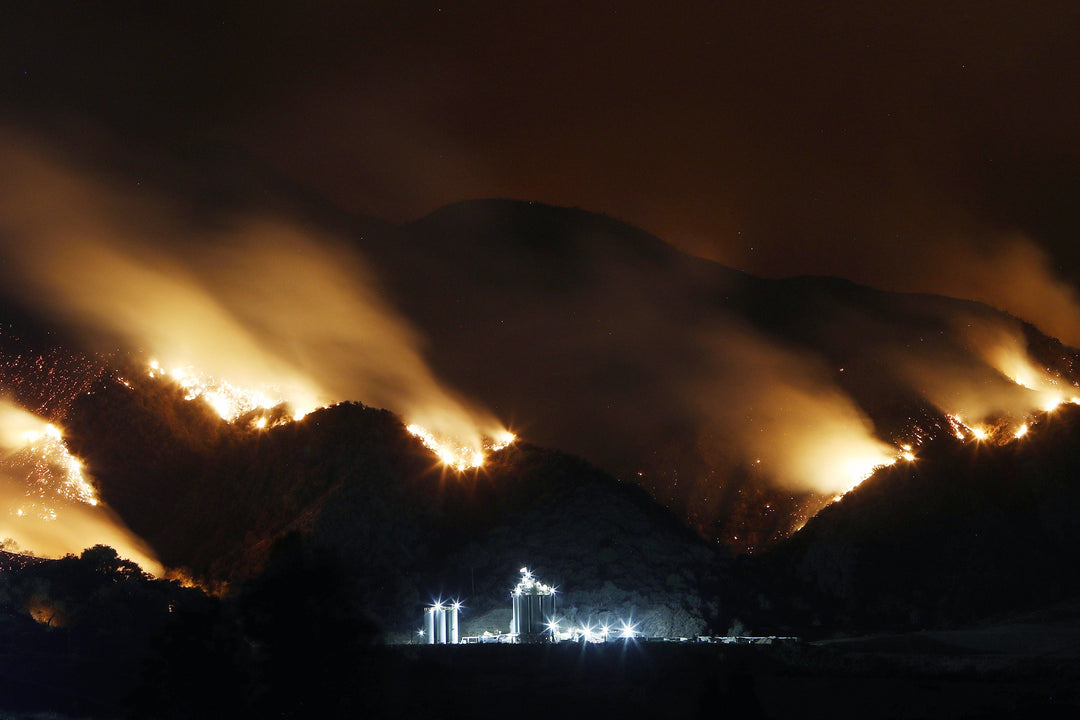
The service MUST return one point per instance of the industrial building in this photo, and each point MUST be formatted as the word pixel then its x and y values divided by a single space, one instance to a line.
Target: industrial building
pixel 533 615
pixel 441 624
pixel 533 620
pixel 534 608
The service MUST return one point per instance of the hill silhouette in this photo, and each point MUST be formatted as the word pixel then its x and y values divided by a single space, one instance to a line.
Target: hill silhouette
pixel 592 337
pixel 968 532
pixel 328 534
pixel 352 482
pixel 667 370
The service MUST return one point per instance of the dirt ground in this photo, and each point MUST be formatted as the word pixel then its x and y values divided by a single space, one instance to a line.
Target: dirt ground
pixel 921 676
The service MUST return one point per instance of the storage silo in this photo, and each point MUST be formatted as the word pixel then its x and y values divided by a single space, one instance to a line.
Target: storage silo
pixel 429 625
pixel 441 624
pixel 533 608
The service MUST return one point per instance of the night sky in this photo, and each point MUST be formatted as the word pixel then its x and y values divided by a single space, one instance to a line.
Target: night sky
pixel 923 146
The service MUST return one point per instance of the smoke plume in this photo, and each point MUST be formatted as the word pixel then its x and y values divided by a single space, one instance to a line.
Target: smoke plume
pixel 776 411
pixel 257 301
pixel 43 509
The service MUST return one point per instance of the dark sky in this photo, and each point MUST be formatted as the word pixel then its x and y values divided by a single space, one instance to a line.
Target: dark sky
pixel 923 146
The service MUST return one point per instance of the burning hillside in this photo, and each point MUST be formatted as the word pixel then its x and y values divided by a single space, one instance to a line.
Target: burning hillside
pixel 249 303
pixel 52 507
pixel 358 486
pixel 973 528
pixel 746 404
pixel 743 403
pixel 262 408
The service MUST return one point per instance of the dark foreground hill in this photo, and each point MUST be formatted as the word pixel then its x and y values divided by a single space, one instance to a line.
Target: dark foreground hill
pixel 968 532
pixel 695 381
pixel 131 647
pixel 330 533
pixel 349 486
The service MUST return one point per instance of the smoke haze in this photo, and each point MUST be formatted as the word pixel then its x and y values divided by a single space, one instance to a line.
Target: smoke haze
pixel 602 340
pixel 38 514
pixel 256 301
pixel 781 415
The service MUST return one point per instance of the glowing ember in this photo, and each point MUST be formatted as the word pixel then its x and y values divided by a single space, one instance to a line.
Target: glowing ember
pixel 52 470
pixel 1053 402
pixel 961 429
pixel 232 402
pixel 502 440
pixel 52 507
pixel 228 400
pixel 1001 432
pixel 454 454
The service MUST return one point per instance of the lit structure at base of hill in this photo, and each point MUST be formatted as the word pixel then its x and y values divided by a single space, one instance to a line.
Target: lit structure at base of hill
pixel 534 608
pixel 533 620
pixel 441 624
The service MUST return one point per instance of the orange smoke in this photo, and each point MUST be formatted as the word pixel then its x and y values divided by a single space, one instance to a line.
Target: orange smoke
pixel 258 302
pixel 48 506
pixel 779 412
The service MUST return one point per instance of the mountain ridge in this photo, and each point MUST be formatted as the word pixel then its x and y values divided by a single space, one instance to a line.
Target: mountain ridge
pixel 635 347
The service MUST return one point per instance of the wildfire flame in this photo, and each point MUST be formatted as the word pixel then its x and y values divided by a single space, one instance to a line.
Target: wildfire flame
pixel 53 470
pixel 862 468
pixel 34 448
pixel 52 506
pixel 232 402
pixel 1046 397
pixel 456 455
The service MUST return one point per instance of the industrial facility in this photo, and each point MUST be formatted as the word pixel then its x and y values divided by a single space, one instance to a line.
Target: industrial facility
pixel 441 624
pixel 534 620
pixel 534 608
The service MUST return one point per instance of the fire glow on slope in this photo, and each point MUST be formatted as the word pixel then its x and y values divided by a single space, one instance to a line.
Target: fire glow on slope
pixel 998 396
pixel 1047 390
pixel 785 417
pixel 1000 431
pixel 264 300
pixel 232 402
pixel 228 400
pixel 1037 393
pixel 52 507
pixel 53 473
pixel 456 455
pixel 1000 400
